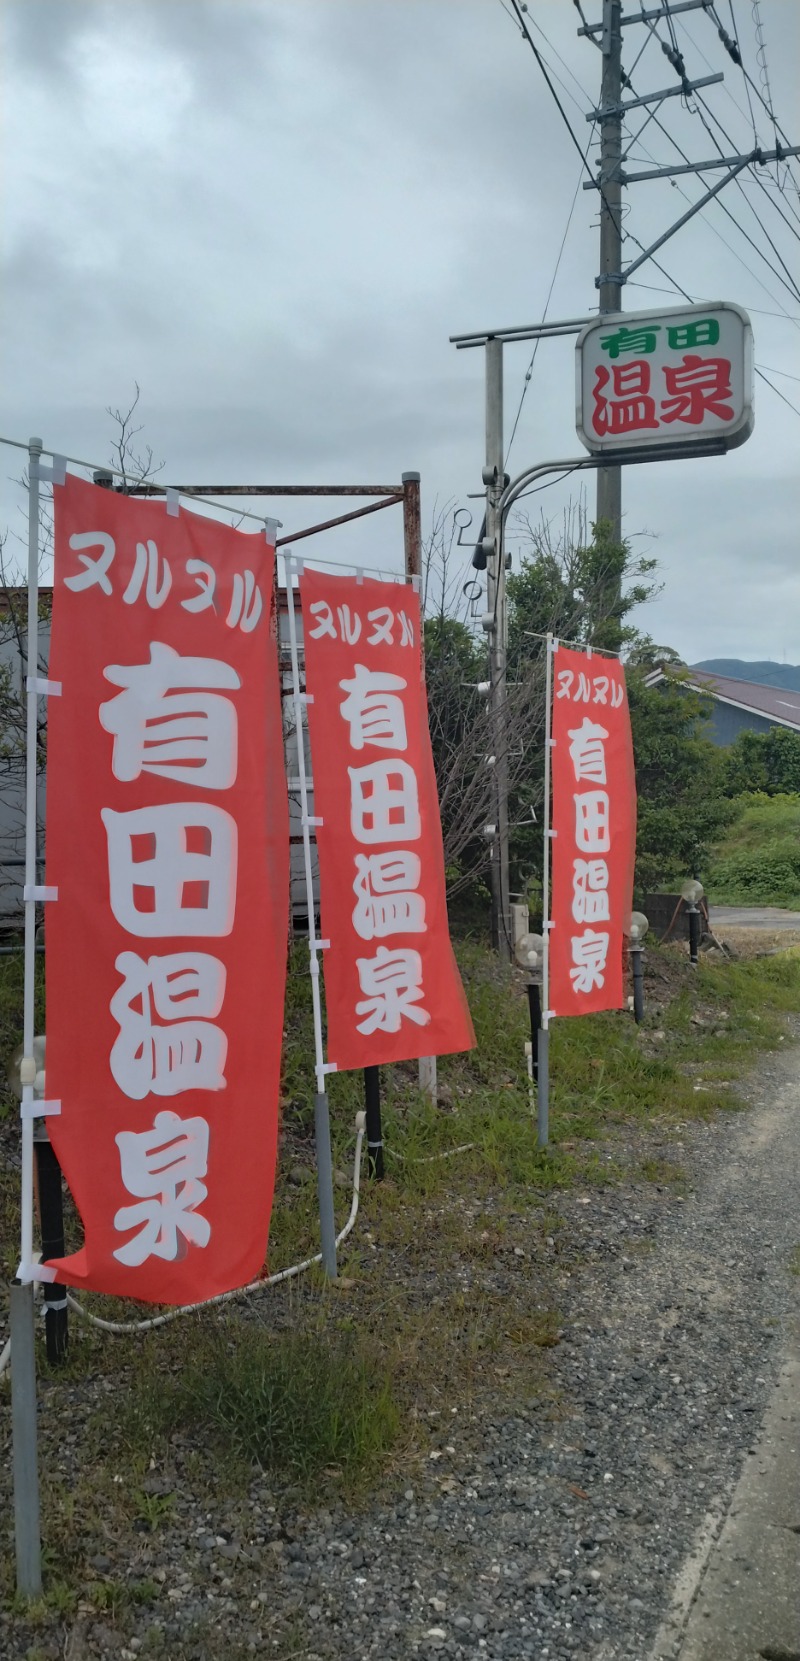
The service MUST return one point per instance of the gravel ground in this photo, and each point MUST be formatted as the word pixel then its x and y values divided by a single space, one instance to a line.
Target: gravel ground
pixel 554 1533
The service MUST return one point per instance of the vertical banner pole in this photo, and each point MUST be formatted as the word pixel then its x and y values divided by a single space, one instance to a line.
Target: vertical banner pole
pixel 322 1128
pixel 28 1067
pixel 23 1363
pixel 23 1434
pixel 543 1126
pixel 412 547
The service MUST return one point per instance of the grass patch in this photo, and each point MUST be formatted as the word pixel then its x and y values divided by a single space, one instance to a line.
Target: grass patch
pixel 303 1403
pixel 758 860
pixel 662 1172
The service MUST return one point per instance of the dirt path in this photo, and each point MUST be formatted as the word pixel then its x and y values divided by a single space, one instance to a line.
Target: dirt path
pixel 737 1595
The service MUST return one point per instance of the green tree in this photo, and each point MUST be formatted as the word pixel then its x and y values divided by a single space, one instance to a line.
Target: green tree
pixel 763 761
pixel 679 781
pixel 580 591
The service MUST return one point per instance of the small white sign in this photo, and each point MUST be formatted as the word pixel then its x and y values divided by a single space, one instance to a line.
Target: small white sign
pixel 652 378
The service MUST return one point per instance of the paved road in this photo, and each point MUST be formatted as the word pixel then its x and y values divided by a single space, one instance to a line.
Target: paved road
pixel 737 1596
pixel 753 917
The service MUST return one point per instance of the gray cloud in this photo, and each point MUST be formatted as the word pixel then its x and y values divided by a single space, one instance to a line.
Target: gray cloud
pixel 271 215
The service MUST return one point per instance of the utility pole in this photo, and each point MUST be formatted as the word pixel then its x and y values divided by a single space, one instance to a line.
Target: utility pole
pixel 497 625
pixel 609 282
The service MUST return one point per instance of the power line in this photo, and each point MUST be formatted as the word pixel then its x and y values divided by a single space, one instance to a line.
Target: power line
pixel 726 210
pixel 703 300
pixel 728 44
pixel 757 176
pixel 562 112
pixel 784 372
pixel 777 391
pixel 720 31
pixel 679 67
pixel 529 371
pixel 734 51
pixel 756 216
pixel 718 234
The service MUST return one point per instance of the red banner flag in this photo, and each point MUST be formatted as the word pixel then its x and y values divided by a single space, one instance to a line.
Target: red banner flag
pixel 167 842
pixel 392 989
pixel 594 824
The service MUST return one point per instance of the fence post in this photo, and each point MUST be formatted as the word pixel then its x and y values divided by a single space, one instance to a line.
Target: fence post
pixel 412 544
pixel 372 1103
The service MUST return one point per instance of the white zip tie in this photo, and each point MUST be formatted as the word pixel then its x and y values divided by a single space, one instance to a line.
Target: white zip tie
pixel 43 688
pixel 56 474
pixel 36 1272
pixel 173 502
pixel 38 1109
pixel 32 891
pixel 52 1304
pixel 553 833
pixel 310 819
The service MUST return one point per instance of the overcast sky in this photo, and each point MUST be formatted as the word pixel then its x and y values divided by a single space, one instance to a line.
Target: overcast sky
pixel 273 213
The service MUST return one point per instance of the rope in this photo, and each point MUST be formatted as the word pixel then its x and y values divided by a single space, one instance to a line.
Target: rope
pixel 148 1325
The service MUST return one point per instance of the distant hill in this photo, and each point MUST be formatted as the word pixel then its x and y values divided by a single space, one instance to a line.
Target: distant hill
pixel 786 675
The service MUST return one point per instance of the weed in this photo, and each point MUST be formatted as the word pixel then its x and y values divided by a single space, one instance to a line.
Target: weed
pixel 143 1592
pixel 662 1171
pixel 106 1595
pixel 304 1402
pixel 154 1509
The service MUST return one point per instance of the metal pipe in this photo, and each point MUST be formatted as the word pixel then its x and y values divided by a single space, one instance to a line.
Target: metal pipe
pixel 151 489
pixel 412 525
pixel 543 1041
pixel 496 610
pixel 341 519
pixel 51 1214
pixel 412 552
pixel 327 1223
pixel 522 331
pixel 535 1010
pixel 699 450
pixel 543 1093
pixel 23 1434
pixel 694 934
pixel 372 1103
pixel 637 970
pixel 322 1129
pixel 31 808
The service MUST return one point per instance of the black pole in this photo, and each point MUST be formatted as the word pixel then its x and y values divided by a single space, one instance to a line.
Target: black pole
pixel 51 1209
pixel 638 982
pixel 694 934
pixel 372 1103
pixel 535 1007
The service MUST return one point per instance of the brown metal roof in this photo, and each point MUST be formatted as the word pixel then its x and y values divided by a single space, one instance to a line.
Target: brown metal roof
pixel 775 702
